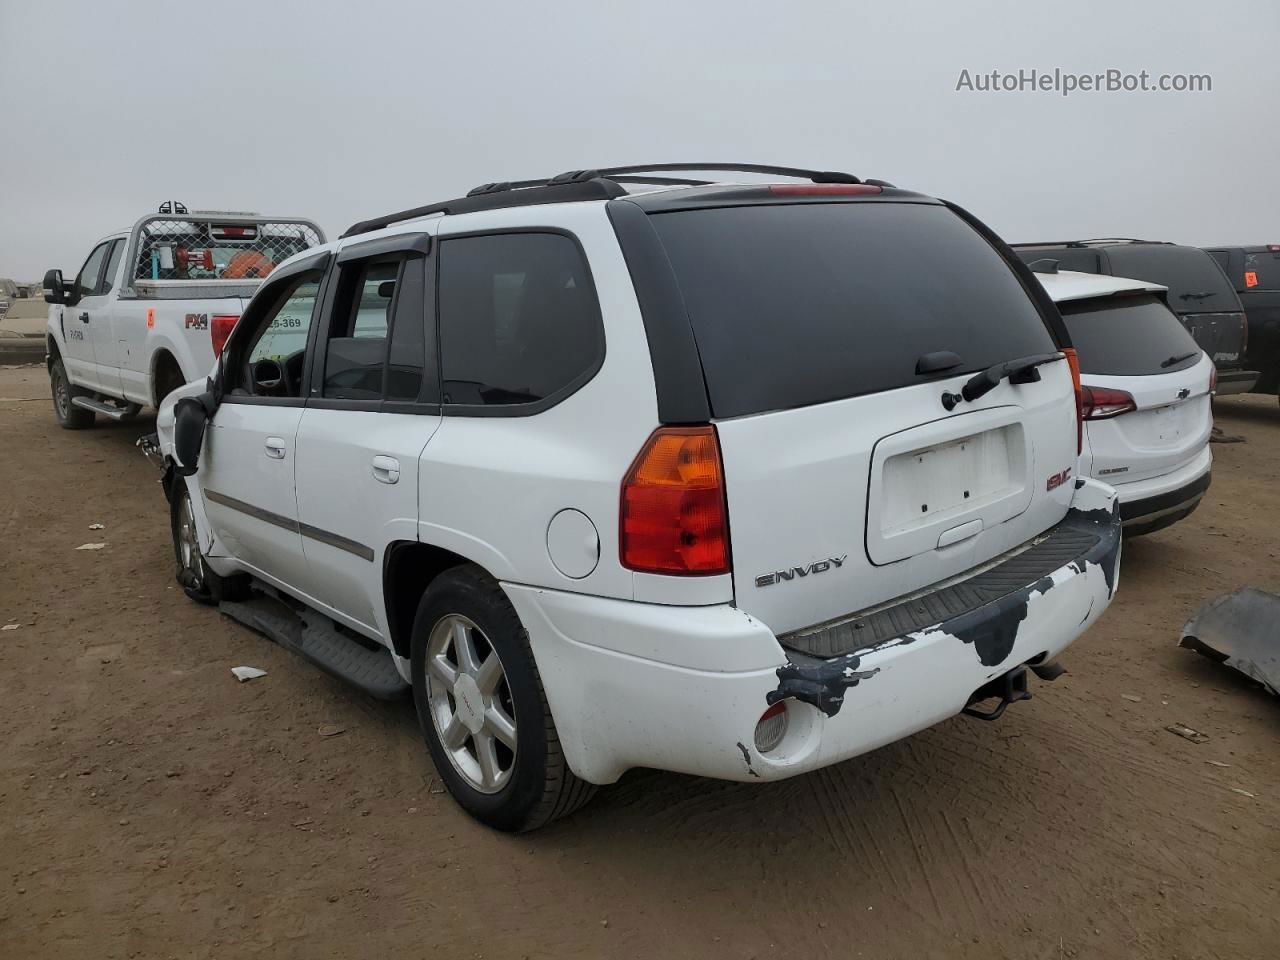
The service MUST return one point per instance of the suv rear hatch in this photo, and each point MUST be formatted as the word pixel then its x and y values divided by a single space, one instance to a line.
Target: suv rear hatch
pixel 1133 343
pixel 1199 293
pixel 849 484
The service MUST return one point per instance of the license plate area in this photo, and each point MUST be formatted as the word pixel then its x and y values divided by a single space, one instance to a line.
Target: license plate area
pixel 930 484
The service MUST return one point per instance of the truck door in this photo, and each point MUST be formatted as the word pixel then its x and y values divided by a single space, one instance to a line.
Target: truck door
pixel 102 327
pixel 77 319
pixel 372 408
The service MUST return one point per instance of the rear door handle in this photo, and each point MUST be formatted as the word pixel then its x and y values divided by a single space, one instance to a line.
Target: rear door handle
pixel 84 317
pixel 386 469
pixel 275 448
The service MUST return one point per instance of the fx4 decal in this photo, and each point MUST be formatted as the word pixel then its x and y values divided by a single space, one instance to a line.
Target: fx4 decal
pixel 197 321
pixel 818 566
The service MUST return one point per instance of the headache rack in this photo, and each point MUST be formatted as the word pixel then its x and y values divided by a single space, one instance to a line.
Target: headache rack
pixel 603 183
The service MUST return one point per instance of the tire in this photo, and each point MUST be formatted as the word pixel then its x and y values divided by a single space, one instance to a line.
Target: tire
pixel 168 379
pixel 198 582
pixel 520 789
pixel 70 417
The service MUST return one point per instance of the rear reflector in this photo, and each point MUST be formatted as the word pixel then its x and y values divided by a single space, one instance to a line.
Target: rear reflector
pixel 823 189
pixel 673 514
pixel 1102 403
pixel 220 327
pixel 771 727
pixel 1073 362
pixel 1213 380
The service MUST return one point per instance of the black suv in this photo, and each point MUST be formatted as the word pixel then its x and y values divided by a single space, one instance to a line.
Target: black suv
pixel 1255 273
pixel 1199 292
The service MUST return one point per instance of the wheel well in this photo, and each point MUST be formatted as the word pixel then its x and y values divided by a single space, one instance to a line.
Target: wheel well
pixel 162 362
pixel 407 571
pixel 52 352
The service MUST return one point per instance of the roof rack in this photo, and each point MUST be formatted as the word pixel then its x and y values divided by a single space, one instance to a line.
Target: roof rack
pixel 1084 243
pixel 598 184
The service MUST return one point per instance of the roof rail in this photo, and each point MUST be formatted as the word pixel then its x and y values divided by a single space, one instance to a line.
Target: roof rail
pixel 1084 243
pixel 597 184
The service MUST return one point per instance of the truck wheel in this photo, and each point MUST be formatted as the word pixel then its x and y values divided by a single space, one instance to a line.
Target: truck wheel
pixel 199 582
pixel 70 417
pixel 482 708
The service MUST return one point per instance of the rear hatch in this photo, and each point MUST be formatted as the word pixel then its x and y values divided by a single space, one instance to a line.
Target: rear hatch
pixel 1134 344
pixel 848 482
pixel 1199 293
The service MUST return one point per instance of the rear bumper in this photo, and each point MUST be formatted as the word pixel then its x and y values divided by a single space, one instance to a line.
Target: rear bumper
pixel 1236 381
pixel 682 688
pixel 1148 505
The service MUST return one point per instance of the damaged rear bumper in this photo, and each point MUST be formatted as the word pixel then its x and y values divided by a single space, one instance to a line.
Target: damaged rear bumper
pixel 682 688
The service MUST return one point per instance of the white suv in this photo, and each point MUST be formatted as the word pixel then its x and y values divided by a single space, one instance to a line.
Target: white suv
pixel 619 470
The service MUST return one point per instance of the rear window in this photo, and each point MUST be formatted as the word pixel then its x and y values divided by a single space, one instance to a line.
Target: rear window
pixel 1128 336
pixel 1261 271
pixel 1196 283
pixel 184 249
pixel 799 304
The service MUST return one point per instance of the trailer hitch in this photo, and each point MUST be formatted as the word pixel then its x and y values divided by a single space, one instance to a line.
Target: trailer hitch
pixel 1009 688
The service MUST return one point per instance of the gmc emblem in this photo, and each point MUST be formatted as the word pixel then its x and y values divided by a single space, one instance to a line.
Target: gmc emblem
pixel 1057 480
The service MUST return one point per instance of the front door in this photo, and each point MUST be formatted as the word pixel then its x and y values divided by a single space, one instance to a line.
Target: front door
pixel 78 316
pixel 248 468
pixel 373 408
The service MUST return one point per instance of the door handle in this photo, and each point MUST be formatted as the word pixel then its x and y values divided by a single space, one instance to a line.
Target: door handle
pixel 84 316
pixel 386 469
pixel 275 448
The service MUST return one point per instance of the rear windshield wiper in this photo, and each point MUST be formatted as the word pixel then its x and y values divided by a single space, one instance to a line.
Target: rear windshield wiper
pixel 1022 370
pixel 1179 358
pixel 1203 295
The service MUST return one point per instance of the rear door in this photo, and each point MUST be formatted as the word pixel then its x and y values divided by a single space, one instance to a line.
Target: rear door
pixel 1135 344
pixel 849 483
pixel 373 403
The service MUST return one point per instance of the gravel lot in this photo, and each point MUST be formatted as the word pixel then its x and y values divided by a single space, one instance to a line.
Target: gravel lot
pixel 151 806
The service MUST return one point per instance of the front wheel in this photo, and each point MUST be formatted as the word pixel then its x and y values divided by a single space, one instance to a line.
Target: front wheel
pixel 198 582
pixel 482 708
pixel 70 417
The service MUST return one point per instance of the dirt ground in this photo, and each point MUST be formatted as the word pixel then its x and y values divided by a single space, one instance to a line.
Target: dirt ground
pixel 151 806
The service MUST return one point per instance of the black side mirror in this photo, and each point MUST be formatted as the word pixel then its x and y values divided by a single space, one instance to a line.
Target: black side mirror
pixel 54 290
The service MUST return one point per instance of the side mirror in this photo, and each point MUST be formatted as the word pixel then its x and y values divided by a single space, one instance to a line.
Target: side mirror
pixel 54 290
pixel 267 376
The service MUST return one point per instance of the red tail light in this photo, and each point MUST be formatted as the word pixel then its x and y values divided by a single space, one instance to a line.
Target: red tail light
pixel 673 514
pixel 1073 362
pixel 220 327
pixel 1102 403
pixel 1213 380
pixel 823 189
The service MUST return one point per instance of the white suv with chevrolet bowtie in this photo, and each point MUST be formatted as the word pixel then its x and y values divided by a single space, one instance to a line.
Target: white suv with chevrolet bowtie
pixel 620 469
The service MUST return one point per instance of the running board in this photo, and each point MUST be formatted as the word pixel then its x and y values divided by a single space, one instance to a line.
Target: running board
pixel 313 637
pixel 98 406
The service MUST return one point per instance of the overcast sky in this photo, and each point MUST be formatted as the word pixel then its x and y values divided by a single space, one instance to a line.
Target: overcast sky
pixel 341 111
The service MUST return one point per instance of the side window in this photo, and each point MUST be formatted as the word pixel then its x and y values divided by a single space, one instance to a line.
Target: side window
pixel 91 273
pixel 277 349
pixel 377 340
pixel 113 262
pixel 519 319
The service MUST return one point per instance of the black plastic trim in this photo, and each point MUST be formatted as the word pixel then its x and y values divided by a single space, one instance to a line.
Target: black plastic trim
pixel 305 529
pixel 677 368
pixel 1135 510
pixel 405 243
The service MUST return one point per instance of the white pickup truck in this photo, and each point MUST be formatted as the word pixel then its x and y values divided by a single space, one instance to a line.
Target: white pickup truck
pixel 151 308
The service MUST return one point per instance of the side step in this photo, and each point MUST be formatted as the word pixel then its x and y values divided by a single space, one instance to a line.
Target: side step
pixel 313 637
pixel 99 406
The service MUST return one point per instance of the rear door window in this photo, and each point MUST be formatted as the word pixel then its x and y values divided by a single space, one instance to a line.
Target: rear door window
pixel 797 304
pixel 1196 283
pixel 519 319
pixel 1128 336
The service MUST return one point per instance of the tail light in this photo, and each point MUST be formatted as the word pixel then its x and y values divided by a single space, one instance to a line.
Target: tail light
pixel 1073 362
pixel 220 327
pixel 673 514
pixel 1102 403
pixel 1213 380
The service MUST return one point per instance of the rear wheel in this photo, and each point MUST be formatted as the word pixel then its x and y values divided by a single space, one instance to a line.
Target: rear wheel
pixel 198 581
pixel 482 708
pixel 168 378
pixel 70 417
